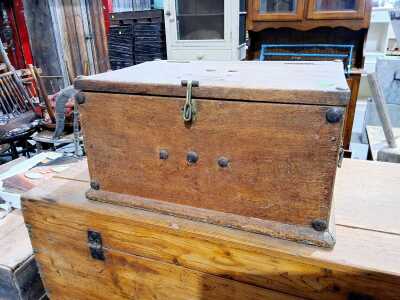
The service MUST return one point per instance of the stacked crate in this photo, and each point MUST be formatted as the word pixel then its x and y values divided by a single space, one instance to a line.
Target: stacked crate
pixel 121 46
pixel 143 41
pixel 149 42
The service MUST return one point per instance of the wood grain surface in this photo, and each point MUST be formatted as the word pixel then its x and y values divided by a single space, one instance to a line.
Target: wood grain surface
pixel 354 84
pixel 282 157
pixel 364 262
pixel 62 257
pixel 318 83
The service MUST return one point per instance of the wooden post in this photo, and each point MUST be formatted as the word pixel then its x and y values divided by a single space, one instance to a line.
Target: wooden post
pixel 379 98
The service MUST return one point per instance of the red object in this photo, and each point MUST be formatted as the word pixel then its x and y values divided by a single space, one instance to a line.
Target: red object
pixel 20 53
pixel 22 31
pixel 107 9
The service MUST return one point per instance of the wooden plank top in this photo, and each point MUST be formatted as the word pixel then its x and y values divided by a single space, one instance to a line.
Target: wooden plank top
pixel 320 82
pixel 367 230
pixel 15 246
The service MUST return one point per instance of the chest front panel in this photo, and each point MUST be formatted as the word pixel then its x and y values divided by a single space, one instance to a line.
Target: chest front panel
pixel 280 158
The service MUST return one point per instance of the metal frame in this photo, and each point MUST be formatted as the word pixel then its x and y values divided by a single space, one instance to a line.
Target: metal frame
pixel 265 53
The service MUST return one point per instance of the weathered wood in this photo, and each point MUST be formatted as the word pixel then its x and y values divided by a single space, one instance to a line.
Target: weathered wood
pixel 73 42
pixel 280 146
pixel 372 204
pixel 43 93
pixel 19 277
pixel 42 41
pixel 113 279
pixel 318 83
pixel 379 99
pixel 354 85
pixel 364 262
pixel 286 178
pixel 100 48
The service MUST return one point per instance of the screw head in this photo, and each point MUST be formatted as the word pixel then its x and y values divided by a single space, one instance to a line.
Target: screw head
pixel 80 98
pixel 192 157
pixel 163 154
pixel 95 185
pixel 319 225
pixel 334 114
pixel 223 162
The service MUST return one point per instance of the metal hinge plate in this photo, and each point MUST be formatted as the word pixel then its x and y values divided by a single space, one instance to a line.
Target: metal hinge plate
pixel 95 245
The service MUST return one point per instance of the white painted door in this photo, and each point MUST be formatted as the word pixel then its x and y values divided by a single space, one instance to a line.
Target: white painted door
pixel 203 25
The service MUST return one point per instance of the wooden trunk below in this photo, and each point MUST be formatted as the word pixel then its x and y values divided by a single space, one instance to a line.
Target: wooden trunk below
pixel 153 256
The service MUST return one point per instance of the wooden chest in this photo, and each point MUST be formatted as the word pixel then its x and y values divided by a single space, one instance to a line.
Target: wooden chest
pixel 250 145
pixel 88 250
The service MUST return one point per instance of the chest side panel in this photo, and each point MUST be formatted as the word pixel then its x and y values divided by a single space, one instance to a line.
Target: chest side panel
pixel 282 157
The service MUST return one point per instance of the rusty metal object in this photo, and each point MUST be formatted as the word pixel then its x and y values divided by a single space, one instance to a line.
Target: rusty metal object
pixel 95 185
pixel 319 225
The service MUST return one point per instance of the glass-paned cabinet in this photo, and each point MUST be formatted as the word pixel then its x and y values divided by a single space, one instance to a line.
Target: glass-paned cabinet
pixel 277 6
pixel 278 10
pixel 200 20
pixel 329 5
pixel 205 29
pixel 292 10
pixel 337 9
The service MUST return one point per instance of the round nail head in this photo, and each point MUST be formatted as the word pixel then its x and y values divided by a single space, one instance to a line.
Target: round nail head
pixel 319 225
pixel 94 185
pixel 223 162
pixel 163 154
pixel 192 157
pixel 334 115
pixel 80 98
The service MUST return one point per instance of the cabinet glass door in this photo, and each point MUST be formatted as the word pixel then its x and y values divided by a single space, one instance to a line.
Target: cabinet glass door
pixel 276 10
pixel 200 19
pixel 336 9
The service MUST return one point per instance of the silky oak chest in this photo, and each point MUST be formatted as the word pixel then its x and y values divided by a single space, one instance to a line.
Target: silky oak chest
pixel 250 145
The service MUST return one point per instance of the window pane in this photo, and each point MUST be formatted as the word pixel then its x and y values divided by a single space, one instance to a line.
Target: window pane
pixel 336 5
pixel 278 6
pixel 200 19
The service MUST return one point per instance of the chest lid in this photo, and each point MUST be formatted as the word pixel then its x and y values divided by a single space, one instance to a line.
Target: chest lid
pixel 319 83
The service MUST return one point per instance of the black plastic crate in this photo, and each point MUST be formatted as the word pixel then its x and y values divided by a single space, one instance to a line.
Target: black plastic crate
pixel 156 27
pixel 149 44
pixel 140 33
pixel 139 58
pixel 149 39
pixel 120 65
pixel 134 17
pixel 121 30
